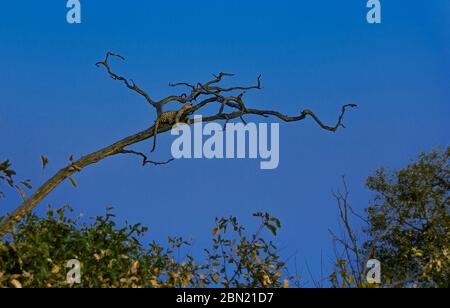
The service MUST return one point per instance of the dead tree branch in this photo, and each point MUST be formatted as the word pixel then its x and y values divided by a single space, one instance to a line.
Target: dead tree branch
pixel 145 160
pixel 232 106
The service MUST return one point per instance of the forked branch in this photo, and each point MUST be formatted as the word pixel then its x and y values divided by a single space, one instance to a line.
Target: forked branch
pixel 230 101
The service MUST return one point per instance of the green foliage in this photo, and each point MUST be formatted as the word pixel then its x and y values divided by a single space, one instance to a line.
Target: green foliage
pixel 6 175
pixel 44 161
pixel 408 231
pixel 36 254
pixel 242 261
pixel 410 221
pixel 408 228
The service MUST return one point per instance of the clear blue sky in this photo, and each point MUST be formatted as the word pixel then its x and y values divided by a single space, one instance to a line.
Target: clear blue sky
pixel 312 54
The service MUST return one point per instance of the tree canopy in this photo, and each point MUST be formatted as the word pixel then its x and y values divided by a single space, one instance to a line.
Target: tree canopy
pixel 410 218
pixel 406 227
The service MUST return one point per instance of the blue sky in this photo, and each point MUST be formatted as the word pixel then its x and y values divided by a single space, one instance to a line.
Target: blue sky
pixel 312 54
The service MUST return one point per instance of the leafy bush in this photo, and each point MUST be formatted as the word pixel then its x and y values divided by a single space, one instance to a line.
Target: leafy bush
pixel 36 255
pixel 6 175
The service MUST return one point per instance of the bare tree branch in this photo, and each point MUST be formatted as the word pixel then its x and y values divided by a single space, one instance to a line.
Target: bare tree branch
pixel 200 96
pixel 129 83
pixel 145 160
pixel 355 255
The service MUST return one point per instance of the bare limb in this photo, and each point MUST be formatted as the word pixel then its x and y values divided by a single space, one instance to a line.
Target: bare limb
pixel 200 96
pixel 129 83
pixel 353 253
pixel 145 160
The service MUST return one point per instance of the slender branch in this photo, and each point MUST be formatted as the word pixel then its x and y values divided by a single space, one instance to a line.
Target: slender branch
pixel 285 118
pixel 129 83
pixel 145 160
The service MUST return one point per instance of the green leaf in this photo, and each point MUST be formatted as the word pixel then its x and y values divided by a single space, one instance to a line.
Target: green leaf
pixel 272 229
pixel 27 184
pixel 44 161
pixel 73 182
